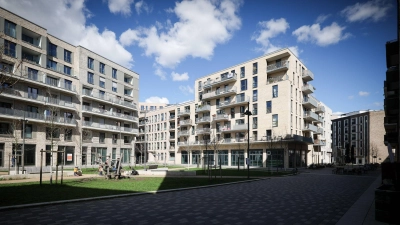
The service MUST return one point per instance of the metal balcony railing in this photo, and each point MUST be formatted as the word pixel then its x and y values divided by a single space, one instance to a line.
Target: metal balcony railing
pixel 277 66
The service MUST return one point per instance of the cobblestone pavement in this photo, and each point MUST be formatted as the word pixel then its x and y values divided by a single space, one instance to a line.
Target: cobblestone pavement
pixel 312 197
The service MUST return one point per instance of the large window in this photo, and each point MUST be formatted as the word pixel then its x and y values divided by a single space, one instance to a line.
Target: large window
pixel 256 158
pixel 243 85
pixel 275 120
pixel 275 91
pixel 102 82
pixel 114 86
pixel 69 154
pixel 184 157
pixel 32 74
pixel 67 70
pixel 52 51
pixel 223 157
pixel 237 157
pixel 255 95
pixel 9 49
pixel 269 106
pixel 52 64
pixel 126 155
pixel 67 56
pixel 101 68
pixel 90 63
pixel 33 93
pixel 90 78
pixel 114 73
pixel 242 73
pixel 255 68
pixel 10 28
pixel 255 82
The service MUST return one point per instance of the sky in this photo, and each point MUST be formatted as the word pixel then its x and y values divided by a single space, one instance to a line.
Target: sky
pixel 172 43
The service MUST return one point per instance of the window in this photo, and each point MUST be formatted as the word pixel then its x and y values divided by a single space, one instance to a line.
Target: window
pixel 32 109
pixel 67 70
pixel 5 128
pixel 232 113
pixel 52 64
pixel 242 74
pixel 114 73
pixel 102 94
pixel 32 74
pixel 10 28
pixel 269 106
pixel 101 68
pixel 52 50
pixel 255 68
pixel 275 91
pixel 28 39
pixel 243 85
pixel 127 140
pixel 255 82
pixel 102 137
pixel 68 84
pixel 28 131
pixel 102 82
pixel 9 49
pixel 68 135
pixel 255 109
pixel 255 95
pixel 114 138
pixel 67 56
pixel 90 63
pixel 242 110
pixel 114 153
pixel 275 120
pixel 114 86
pixel 90 78
pixel 52 132
pixel 33 93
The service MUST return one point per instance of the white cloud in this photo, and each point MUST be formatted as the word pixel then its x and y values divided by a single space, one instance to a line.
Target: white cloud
pixel 179 77
pixel 186 89
pixel 374 10
pixel 141 5
pixel 363 93
pixel 351 97
pixel 270 29
pixel 120 6
pixel 66 19
pixel 156 99
pixel 321 18
pixel 201 27
pixel 160 72
pixel 326 36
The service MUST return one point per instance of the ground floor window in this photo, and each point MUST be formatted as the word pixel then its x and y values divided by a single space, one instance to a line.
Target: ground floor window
pixel 69 155
pixel 184 157
pixel 126 155
pixel 223 157
pixel 84 155
pixel 171 156
pixel 237 157
pixel 274 158
pixel 99 155
pixel 208 157
pixel 195 157
pixel 256 158
pixel 29 154
pixel 1 154
pixel 297 158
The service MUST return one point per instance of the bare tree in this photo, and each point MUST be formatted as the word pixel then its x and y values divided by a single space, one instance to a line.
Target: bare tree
pixel 373 151
pixel 15 135
pixel 9 74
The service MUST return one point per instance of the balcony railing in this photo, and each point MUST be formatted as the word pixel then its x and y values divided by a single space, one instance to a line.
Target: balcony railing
pixel 307 75
pixel 203 130
pixel 43 78
pixel 276 79
pixel 278 66
pixel 184 112
pixel 56 101
pixel 320 109
pixel 218 81
pixel 238 101
pixel 319 142
pixel 109 127
pixel 183 133
pixel 107 98
pixel 220 93
pixel 308 115
pixel 205 119
pixel 221 117
pixel 308 89
pixel 310 102
pixel 35 116
pixel 237 127
pixel 204 108
pixel 185 122
pixel 108 113
pixel 310 127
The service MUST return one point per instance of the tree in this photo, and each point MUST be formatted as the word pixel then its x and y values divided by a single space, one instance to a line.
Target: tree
pixel 373 151
pixel 9 76
pixel 15 135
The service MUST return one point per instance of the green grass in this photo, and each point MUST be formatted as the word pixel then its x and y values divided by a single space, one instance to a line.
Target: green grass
pixel 25 193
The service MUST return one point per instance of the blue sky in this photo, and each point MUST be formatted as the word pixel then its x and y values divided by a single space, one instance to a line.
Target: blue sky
pixel 172 43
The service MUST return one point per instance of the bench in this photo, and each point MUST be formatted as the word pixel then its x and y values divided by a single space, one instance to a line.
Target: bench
pixel 152 167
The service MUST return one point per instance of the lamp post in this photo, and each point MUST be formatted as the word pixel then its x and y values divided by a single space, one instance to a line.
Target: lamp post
pixel 23 144
pixel 248 113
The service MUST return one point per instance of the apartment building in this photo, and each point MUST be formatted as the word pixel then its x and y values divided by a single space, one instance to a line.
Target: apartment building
pixel 287 124
pixel 357 137
pixel 74 104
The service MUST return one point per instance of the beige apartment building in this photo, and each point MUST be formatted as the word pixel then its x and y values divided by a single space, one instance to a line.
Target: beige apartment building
pixel 77 106
pixel 288 126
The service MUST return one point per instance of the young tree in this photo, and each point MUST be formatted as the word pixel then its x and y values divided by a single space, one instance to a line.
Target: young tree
pixel 373 151
pixel 15 133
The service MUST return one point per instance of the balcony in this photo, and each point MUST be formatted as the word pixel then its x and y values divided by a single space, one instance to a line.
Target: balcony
pixel 183 133
pixel 310 102
pixel 205 119
pixel 220 81
pixel 171 137
pixel 183 143
pixel 108 113
pixel 319 130
pixel 309 127
pixel 238 101
pixel 276 79
pixel 219 93
pixel 31 38
pixel 171 117
pixel 171 128
pixel 320 109
pixel 37 117
pixel 308 89
pixel 31 56
pixel 203 131
pixel 310 116
pixel 59 102
pixel 221 117
pixel 238 127
pixel 277 67
pixel 318 142
pixel 307 75
pixel 108 127
pixel 185 112
pixel 254 126
pixel 203 108
pixel 107 99
pixel 184 123
pixel 42 79
pixel 22 95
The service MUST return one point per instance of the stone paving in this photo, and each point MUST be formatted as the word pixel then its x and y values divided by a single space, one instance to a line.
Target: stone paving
pixel 312 197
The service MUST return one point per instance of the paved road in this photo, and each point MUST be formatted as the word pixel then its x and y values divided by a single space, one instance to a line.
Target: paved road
pixel 314 197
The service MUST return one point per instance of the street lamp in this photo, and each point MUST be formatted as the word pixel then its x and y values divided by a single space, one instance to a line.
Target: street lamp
pixel 248 113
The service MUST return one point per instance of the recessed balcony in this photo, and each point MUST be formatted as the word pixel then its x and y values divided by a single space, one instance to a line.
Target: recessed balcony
pixel 219 93
pixel 221 117
pixel 185 112
pixel 234 128
pixel 236 102
pixel 183 133
pixel 203 131
pixel 108 127
pixel 308 89
pixel 35 117
pixel 202 120
pixel 184 123
pixel 278 66
pixel 307 75
pixel 108 113
pixel 228 78
pixel 107 99
pixel 203 108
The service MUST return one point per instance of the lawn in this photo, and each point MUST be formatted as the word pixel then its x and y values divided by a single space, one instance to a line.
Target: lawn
pixel 25 193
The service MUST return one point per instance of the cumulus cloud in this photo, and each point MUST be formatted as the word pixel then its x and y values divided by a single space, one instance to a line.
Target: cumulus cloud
pixel 141 5
pixel 372 10
pixel 186 89
pixel 321 18
pixel 159 72
pixel 66 19
pixel 270 29
pixel 201 26
pixel 120 6
pixel 179 77
pixel 363 93
pixel 156 99
pixel 323 37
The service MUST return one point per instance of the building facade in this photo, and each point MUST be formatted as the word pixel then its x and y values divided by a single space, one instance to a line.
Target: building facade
pixel 357 137
pixel 77 106
pixel 288 126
